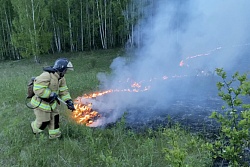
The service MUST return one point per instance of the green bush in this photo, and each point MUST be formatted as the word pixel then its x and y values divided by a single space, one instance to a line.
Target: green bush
pixel 182 148
pixel 235 119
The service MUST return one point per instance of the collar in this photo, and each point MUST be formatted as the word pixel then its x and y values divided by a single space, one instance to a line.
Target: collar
pixel 57 76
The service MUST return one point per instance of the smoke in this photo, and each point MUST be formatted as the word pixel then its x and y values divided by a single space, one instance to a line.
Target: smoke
pixel 204 34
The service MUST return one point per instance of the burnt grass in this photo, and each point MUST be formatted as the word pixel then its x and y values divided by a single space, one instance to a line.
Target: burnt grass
pixel 192 101
pixel 190 110
pixel 193 118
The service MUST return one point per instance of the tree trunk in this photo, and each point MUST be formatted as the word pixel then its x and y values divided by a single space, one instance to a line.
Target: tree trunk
pixel 70 28
pixel 34 38
pixel 4 50
pixel 93 27
pixel 102 23
pixel 11 47
pixel 82 46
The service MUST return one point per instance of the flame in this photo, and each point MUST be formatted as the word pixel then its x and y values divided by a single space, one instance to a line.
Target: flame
pixel 96 94
pixel 181 63
pixel 136 85
pixel 200 55
pixel 83 113
pixel 210 52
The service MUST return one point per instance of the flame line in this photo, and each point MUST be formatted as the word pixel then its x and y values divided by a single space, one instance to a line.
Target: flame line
pixel 209 53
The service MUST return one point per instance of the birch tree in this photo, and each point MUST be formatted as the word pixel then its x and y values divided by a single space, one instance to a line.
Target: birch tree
pixel 58 22
pixel 82 28
pixel 35 27
pixel 7 49
pixel 30 28
pixel 101 13
pixel 70 25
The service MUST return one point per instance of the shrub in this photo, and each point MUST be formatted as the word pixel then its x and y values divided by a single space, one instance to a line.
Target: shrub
pixel 234 120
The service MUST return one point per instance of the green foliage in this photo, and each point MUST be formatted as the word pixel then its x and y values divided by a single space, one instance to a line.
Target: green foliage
pixel 176 153
pixel 235 120
pixel 179 153
pixel 31 36
pixel 31 28
pixel 81 145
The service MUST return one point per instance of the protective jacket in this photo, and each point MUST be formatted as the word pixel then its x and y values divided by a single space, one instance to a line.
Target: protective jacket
pixel 44 85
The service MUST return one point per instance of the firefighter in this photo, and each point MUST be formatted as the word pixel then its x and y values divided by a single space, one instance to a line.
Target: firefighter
pixel 48 86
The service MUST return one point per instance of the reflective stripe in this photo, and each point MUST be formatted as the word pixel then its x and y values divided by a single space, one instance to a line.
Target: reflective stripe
pixel 66 97
pixel 53 106
pixel 46 92
pixel 63 88
pixel 35 127
pixel 54 131
pixel 43 106
pixel 37 86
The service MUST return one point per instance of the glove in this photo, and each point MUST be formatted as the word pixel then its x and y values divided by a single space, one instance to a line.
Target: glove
pixel 70 105
pixel 52 97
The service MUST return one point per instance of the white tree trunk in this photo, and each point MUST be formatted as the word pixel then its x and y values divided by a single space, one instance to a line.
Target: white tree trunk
pixel 70 29
pixel 54 31
pixel 34 28
pixel 102 24
pixel 82 46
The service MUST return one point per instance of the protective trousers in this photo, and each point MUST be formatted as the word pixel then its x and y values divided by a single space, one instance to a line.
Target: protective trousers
pixel 44 119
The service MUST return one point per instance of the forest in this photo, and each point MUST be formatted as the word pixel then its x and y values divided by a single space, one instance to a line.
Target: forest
pixel 186 62
pixel 30 28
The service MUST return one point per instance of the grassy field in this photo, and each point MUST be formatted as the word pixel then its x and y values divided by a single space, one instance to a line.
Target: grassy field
pixel 82 145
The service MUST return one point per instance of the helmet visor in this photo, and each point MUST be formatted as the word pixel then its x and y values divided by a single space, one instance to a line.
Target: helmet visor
pixel 70 66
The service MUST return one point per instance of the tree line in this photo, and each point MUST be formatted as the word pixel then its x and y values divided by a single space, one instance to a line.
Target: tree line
pixel 30 28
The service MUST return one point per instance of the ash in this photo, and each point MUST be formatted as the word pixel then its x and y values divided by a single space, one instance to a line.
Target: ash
pixel 194 100
pixel 192 114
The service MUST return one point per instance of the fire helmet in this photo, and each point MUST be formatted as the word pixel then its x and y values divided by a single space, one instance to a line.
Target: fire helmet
pixel 62 64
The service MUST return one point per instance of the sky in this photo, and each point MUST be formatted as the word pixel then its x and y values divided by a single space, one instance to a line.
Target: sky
pixel 203 35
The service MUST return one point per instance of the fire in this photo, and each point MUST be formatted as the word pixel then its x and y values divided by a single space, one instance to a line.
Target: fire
pixel 136 85
pixel 181 63
pixel 200 55
pixel 83 113
pixel 95 94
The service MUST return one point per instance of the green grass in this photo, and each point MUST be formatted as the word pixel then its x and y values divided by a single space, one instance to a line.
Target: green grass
pixel 81 145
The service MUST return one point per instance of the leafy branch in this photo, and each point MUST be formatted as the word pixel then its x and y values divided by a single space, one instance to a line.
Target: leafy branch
pixel 234 119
